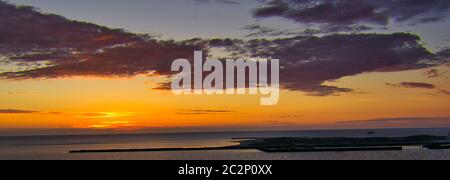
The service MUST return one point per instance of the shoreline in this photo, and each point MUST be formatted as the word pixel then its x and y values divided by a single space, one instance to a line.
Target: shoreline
pixel 276 145
pixel 156 149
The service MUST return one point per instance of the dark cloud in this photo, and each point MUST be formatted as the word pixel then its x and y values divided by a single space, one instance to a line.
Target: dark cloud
pixel 308 61
pixel 38 36
pixel 258 31
pixel 443 55
pixel 261 31
pixel 331 29
pixel 272 8
pixel 73 48
pixel 413 85
pixel 130 60
pixel 379 12
pixel 16 111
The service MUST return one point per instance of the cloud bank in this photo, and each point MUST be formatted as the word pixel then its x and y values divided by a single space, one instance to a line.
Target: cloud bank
pixel 309 61
pixel 73 48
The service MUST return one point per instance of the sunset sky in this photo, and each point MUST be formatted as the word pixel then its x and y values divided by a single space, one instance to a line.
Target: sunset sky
pixel 101 64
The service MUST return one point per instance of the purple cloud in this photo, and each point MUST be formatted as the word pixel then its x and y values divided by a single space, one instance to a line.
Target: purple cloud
pixel 308 61
pixel 73 48
pixel 379 12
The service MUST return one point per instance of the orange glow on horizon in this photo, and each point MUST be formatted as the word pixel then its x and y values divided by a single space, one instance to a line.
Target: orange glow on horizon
pixel 131 103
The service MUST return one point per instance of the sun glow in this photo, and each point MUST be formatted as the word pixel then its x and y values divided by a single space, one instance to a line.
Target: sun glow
pixel 107 114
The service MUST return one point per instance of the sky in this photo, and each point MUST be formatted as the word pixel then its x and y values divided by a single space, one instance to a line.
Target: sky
pixel 102 65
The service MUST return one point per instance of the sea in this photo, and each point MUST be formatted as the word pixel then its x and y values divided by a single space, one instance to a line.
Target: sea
pixel 58 147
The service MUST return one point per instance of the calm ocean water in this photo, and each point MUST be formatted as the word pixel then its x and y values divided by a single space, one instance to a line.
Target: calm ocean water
pixel 57 147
